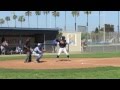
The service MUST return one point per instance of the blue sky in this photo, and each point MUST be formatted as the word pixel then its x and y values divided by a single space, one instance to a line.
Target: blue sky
pixel 109 17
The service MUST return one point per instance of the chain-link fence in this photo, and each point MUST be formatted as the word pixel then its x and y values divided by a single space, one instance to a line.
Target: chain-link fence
pixel 102 48
pixel 19 49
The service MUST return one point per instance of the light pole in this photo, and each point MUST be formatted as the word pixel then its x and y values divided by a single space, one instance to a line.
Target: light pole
pixel 104 28
pixel 99 20
pixel 99 24
pixel 65 20
pixel 87 27
pixel 118 26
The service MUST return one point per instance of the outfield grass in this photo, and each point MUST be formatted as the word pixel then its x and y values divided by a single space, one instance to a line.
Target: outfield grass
pixel 92 55
pixel 89 73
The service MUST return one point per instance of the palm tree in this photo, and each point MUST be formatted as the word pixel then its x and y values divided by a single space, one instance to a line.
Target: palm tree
pixel 21 19
pixel 55 14
pixel 76 14
pixel 14 17
pixel 118 26
pixel 37 14
pixel 7 18
pixel 87 13
pixel 28 13
pixel 2 21
pixel 46 13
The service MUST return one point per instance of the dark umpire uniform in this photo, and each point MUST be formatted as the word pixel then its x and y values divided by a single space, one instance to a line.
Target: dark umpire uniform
pixel 28 51
pixel 62 45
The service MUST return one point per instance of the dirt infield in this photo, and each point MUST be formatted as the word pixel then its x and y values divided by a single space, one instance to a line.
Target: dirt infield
pixel 53 63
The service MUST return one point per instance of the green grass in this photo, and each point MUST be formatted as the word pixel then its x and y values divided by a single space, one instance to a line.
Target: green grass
pixel 10 57
pixel 97 55
pixel 91 55
pixel 89 73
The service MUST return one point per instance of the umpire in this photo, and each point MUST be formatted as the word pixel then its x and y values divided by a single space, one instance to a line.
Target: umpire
pixel 28 51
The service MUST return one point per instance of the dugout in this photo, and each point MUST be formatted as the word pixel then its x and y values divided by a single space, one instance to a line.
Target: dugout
pixel 18 36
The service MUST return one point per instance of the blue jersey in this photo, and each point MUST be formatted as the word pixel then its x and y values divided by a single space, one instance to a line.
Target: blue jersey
pixel 38 49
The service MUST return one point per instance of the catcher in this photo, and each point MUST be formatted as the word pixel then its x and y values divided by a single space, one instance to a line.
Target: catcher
pixel 38 52
pixel 62 45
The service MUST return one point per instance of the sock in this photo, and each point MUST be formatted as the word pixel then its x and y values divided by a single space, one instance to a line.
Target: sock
pixel 57 56
pixel 67 56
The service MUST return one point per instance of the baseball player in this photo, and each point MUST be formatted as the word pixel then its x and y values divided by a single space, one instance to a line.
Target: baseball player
pixel 38 52
pixel 4 46
pixel 62 45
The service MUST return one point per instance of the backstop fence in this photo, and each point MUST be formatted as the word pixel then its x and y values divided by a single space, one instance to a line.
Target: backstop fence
pixel 19 49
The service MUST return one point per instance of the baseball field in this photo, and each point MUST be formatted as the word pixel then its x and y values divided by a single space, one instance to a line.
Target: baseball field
pixel 78 66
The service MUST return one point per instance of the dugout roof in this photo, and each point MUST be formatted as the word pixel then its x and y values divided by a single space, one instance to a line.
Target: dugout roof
pixel 28 31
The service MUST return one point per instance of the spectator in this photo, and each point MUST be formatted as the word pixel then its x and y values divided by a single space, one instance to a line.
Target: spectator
pixel 54 45
pixel 18 50
pixel 4 46
pixel 85 45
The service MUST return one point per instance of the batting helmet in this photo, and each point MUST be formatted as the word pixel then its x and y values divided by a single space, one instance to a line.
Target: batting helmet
pixel 63 38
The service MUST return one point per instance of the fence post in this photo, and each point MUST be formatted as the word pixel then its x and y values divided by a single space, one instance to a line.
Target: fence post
pixel 116 48
pixel 90 48
pixel 68 47
pixel 103 49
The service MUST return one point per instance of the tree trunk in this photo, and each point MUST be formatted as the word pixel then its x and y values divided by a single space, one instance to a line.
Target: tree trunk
pixel 7 24
pixel 28 22
pixel 46 20
pixel 15 23
pixel 75 23
pixel 37 21
pixel 21 24
pixel 55 21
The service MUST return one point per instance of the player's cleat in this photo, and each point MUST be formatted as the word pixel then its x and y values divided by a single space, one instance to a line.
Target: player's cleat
pixel 57 56
pixel 38 61
pixel 27 61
